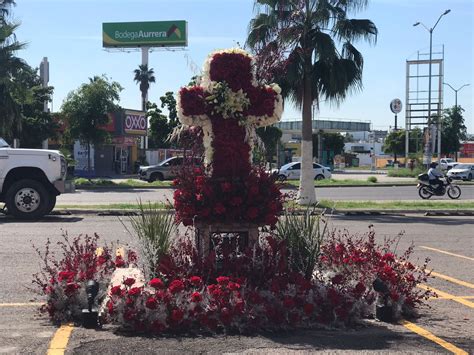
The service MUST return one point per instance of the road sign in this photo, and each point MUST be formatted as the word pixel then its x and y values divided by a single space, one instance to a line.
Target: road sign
pixel 396 106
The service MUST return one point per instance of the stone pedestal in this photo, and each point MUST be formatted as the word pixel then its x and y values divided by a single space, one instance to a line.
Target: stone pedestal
pixel 207 236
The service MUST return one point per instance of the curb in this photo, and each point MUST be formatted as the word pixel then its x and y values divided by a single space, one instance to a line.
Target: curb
pixel 121 212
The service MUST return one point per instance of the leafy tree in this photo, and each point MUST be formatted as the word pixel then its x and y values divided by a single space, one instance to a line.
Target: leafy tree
pixel 30 93
pixel 298 38
pixel 270 137
pixel 332 141
pixel 160 128
pixel 86 109
pixel 395 141
pixel 144 77
pixel 453 130
pixel 169 102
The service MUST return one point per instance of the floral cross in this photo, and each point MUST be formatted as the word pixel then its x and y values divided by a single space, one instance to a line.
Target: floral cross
pixel 228 100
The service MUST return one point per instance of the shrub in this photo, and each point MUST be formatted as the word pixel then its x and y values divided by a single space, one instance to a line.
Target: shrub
pixel 372 179
pixel 405 172
pixel 303 235
pixel 155 231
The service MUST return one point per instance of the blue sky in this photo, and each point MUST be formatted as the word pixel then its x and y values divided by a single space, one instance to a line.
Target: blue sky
pixel 69 33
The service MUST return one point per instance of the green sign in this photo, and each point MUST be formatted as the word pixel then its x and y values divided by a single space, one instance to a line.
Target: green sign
pixel 145 34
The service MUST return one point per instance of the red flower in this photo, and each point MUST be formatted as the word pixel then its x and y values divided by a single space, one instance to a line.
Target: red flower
pixel 195 280
pixel 252 213
pixel 151 303
pixel 129 315
pixel 223 280
pixel 233 286
pixel 119 262
pixel 177 315
pixel 196 297
pixel 116 291
pixel 156 283
pixel 360 288
pixel 135 291
pixel 308 308
pixel 71 288
pixel 67 276
pixel 389 257
pixel 288 302
pixel 110 307
pixel 219 208
pixel 176 286
pixel 129 281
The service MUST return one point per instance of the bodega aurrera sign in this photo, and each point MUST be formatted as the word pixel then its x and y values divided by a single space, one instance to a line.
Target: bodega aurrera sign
pixel 145 34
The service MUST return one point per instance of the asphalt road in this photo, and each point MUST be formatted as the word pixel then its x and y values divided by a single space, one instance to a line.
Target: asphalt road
pixel 99 196
pixel 22 331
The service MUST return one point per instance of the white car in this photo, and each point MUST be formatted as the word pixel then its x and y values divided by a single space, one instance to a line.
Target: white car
pixel 462 171
pixel 292 171
pixel 447 163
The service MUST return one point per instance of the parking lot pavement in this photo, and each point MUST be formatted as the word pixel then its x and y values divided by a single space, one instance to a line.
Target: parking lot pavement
pixel 445 327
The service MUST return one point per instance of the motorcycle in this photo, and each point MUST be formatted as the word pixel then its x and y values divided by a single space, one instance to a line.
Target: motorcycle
pixel 426 190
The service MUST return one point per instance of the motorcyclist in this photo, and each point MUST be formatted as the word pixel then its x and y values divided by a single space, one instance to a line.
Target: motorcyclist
pixel 434 175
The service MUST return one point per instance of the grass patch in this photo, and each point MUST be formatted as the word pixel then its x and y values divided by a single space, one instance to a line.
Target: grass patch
pixel 329 204
pixel 82 182
pixel 405 172
pixel 396 205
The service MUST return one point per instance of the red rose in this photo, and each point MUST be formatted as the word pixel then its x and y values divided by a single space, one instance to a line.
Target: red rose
pixel 195 280
pixel 223 280
pixel 196 297
pixel 67 276
pixel 176 286
pixel 116 291
pixel 308 308
pixel 151 303
pixel 388 257
pixel 119 262
pixel 156 283
pixel 233 286
pixel 129 281
pixel 252 213
pixel 177 315
pixel 71 288
pixel 135 291
pixel 360 288
pixel 129 315
pixel 110 307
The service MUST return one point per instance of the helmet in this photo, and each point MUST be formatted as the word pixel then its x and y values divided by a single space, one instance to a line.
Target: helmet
pixel 433 165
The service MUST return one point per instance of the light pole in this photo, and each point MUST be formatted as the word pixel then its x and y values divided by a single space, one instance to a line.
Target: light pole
pixel 456 92
pixel 430 30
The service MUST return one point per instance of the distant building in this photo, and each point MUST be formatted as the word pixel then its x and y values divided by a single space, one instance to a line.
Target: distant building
pixel 366 136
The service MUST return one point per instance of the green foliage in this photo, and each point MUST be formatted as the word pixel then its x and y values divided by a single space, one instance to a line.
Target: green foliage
pixel 395 141
pixel 86 110
pixel 169 102
pixel 160 128
pixel 453 130
pixel 331 141
pixel 372 179
pixel 405 172
pixel 303 235
pixel 155 231
pixel 270 137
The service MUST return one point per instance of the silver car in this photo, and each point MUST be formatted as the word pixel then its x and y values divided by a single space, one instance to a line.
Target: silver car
pixel 166 170
pixel 462 172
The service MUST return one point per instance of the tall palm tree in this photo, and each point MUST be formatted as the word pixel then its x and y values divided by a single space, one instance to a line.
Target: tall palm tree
pixel 10 115
pixel 144 77
pixel 305 33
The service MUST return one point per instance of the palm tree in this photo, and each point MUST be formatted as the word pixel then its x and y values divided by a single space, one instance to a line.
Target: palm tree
pixel 304 34
pixel 144 76
pixel 10 115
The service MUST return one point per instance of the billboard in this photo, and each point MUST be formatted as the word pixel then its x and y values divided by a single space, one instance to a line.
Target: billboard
pixel 145 34
pixel 135 123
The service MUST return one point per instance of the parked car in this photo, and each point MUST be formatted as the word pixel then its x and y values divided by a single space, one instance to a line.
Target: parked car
pixel 30 180
pixel 447 163
pixel 165 170
pixel 292 171
pixel 461 172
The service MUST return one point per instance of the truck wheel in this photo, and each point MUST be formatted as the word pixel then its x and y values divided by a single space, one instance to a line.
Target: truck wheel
pixel 52 203
pixel 156 176
pixel 27 199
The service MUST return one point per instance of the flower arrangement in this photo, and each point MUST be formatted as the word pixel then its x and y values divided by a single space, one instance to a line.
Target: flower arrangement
pixel 228 91
pixel 259 290
pixel 63 279
pixel 254 199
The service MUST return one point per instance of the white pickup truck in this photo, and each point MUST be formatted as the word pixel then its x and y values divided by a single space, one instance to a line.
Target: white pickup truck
pixel 30 180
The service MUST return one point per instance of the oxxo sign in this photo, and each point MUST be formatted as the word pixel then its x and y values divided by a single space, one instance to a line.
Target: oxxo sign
pixel 135 122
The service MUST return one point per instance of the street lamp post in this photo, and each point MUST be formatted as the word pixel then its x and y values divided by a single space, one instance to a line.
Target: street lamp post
pixel 456 92
pixel 430 30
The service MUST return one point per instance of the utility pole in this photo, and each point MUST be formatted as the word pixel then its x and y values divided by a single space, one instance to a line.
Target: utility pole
pixel 44 76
